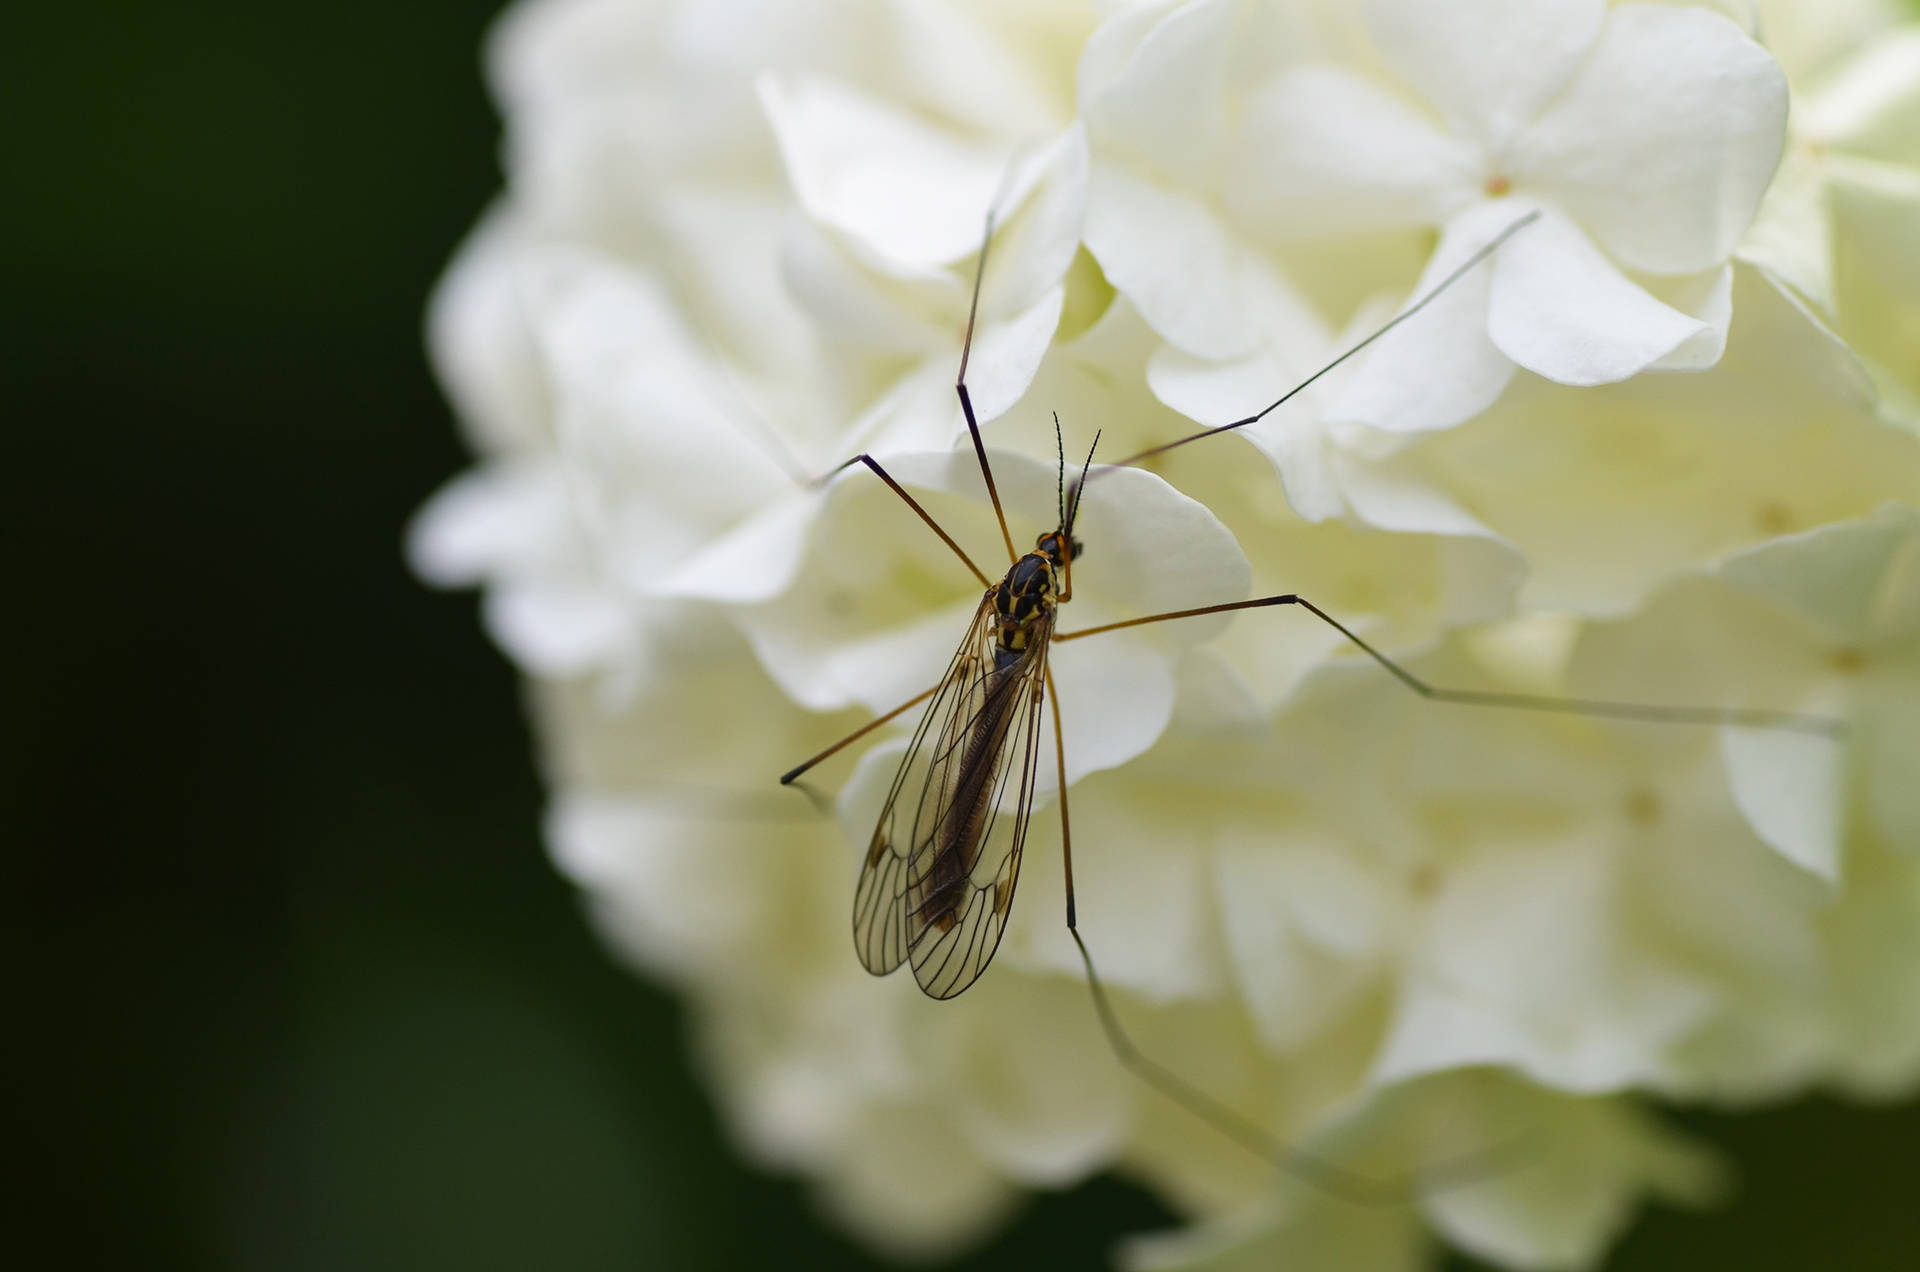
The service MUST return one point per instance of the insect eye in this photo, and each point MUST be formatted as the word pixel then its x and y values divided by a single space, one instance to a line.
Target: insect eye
pixel 1078 550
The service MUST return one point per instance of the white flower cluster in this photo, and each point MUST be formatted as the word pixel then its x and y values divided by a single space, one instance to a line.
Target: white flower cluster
pixel 1663 447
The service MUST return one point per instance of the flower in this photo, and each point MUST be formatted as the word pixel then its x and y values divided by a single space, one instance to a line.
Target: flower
pixel 738 245
pixel 1838 226
pixel 1644 136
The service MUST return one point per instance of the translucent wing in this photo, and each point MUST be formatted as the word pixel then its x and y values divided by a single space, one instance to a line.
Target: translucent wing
pixel 938 880
pixel 880 898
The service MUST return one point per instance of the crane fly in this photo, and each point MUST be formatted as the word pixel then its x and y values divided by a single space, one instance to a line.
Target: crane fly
pixel 937 882
pixel 938 875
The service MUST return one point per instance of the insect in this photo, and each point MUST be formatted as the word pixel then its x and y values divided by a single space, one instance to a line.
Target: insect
pixel 938 874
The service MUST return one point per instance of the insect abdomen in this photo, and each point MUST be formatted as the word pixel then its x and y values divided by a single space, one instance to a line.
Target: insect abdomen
pixel 950 874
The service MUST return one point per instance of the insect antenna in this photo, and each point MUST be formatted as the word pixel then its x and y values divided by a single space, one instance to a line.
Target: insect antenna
pixel 1080 485
pixel 1060 489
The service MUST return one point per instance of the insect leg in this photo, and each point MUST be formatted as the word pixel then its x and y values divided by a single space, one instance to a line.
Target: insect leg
pixel 1313 1168
pixel 787 778
pixel 966 399
pixel 973 430
pixel 874 465
pixel 1799 722
pixel 1066 826
pixel 1433 293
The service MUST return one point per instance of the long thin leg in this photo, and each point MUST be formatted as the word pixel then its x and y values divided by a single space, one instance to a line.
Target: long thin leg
pixel 1066 824
pixel 1799 722
pixel 973 430
pixel 1315 1169
pixel 787 778
pixel 874 465
pixel 763 435
pixel 1480 255
pixel 966 400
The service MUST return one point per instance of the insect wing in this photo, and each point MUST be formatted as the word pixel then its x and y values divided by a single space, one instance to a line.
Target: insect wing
pixel 880 897
pixel 938 881
pixel 961 879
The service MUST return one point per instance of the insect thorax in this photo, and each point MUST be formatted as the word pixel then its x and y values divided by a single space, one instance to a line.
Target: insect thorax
pixel 1023 598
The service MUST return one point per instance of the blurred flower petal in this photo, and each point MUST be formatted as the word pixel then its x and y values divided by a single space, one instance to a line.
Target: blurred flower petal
pixel 1489 65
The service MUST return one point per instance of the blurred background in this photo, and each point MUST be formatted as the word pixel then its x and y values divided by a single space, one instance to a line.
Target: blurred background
pixel 299 988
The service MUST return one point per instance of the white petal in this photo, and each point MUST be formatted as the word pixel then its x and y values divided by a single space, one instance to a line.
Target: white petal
pixel 1439 368
pixel 494 518
pixel 1304 925
pixel 1792 789
pixel 1292 344
pixel 1321 151
pixel 914 195
pixel 920 412
pixel 1666 139
pixel 1566 1205
pixel 1211 392
pixel 1876 213
pixel 1105 728
pixel 1489 65
pixel 1390 496
pixel 1037 234
pixel 878 669
pixel 561 628
pixel 1216 393
pixel 480 336
pixel 1834 576
pixel 1149 550
pixel 1024 1098
pixel 992 70
pixel 1582 1009
pixel 844 298
pixel 1560 309
pixel 1891 742
pixel 1007 355
pixel 1768 422
pixel 655 464
pixel 669 872
pixel 1810 40
pixel 878 604
pixel 914 1204
pixel 754 561
pixel 1140 889
pixel 1169 253
pixel 1707 296
pixel 1792 234
pixel 1876 209
pixel 1896 616
pixel 1161 109
pixel 728 247
pixel 1872 107
pixel 538 53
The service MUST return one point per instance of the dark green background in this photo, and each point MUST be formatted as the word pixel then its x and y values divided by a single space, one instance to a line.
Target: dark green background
pixel 293 986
